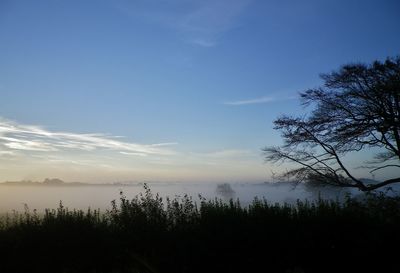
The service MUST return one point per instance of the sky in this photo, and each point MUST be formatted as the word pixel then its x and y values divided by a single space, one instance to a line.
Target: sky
pixel 168 90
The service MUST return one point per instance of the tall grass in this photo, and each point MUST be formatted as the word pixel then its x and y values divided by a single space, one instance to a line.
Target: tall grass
pixel 149 234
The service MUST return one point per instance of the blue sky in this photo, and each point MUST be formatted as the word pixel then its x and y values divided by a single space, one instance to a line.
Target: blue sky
pixel 168 90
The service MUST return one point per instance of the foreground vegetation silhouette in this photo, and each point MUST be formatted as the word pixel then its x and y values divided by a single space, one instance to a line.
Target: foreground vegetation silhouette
pixel 149 234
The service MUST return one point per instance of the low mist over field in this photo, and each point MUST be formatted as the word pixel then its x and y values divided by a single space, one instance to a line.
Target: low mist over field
pixel 48 193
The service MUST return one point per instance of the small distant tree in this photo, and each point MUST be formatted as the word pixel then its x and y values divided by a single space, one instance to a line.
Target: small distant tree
pixel 357 108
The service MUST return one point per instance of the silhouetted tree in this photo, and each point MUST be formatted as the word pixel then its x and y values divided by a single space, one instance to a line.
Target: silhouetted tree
pixel 357 108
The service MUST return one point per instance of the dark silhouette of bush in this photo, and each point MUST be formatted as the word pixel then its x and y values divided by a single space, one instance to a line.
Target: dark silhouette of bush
pixel 149 234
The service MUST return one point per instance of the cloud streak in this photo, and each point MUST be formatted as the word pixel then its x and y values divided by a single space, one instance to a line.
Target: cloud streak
pixel 251 101
pixel 14 136
pixel 227 154
pixel 261 100
pixel 200 22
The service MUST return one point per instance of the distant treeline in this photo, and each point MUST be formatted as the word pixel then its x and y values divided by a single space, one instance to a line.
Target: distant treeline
pixel 59 182
pixel 149 234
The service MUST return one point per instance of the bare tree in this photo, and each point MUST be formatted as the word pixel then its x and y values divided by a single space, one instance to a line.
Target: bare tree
pixel 357 108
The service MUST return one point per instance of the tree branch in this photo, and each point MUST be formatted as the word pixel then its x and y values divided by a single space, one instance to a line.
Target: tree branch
pixel 386 166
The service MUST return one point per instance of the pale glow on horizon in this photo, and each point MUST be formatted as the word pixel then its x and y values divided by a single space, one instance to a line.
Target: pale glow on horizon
pixel 33 153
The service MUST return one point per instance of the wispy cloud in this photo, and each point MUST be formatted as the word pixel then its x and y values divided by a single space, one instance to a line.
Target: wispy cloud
pixel 164 144
pixel 14 136
pixel 203 43
pixel 251 101
pixel 228 154
pixel 200 22
pixel 223 158
pixel 6 153
pixel 266 99
pixel 134 154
